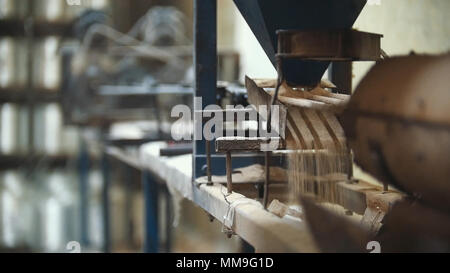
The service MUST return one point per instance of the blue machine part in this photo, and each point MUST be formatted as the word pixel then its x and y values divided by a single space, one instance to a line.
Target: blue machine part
pixel 265 17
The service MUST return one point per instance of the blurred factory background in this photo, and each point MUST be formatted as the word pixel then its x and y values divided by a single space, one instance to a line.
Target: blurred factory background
pixel 63 69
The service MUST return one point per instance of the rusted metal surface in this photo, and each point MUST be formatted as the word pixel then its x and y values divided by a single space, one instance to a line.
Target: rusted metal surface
pixel 398 125
pixel 329 45
pixel 229 173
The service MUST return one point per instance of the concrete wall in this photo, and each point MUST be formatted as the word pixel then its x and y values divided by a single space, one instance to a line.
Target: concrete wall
pixel 421 26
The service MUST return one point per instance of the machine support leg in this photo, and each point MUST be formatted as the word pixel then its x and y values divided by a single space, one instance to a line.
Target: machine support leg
pixel 229 173
pixel 168 224
pixel 205 61
pixel 83 167
pixel 128 175
pixel 106 204
pixel 208 162
pixel 151 192
pixel 350 165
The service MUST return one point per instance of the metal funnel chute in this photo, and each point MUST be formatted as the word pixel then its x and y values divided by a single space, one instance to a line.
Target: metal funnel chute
pixel 265 17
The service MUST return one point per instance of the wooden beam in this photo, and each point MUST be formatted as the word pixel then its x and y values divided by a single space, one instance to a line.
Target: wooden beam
pixel 358 195
pixel 260 228
pixel 355 196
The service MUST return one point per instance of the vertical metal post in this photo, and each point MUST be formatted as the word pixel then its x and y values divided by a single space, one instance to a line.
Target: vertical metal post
pixel 350 164
pixel 106 204
pixel 267 156
pixel 205 60
pixel 128 176
pixel 151 191
pixel 83 168
pixel 340 73
pixel 229 168
pixel 169 219
pixel 208 162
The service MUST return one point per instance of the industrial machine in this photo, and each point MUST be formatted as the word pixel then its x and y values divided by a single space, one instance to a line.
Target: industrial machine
pixel 396 126
pixel 304 51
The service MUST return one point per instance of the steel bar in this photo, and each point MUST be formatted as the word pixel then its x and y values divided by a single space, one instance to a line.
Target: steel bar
pixel 151 191
pixel 106 204
pixel 229 173
pixel 267 156
pixel 208 161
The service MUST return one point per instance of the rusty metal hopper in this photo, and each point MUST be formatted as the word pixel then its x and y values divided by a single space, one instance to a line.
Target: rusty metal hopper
pixel 265 17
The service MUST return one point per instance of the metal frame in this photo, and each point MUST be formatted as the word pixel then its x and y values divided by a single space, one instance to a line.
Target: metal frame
pixel 105 165
pixel 151 191
pixel 205 61
pixel 83 168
